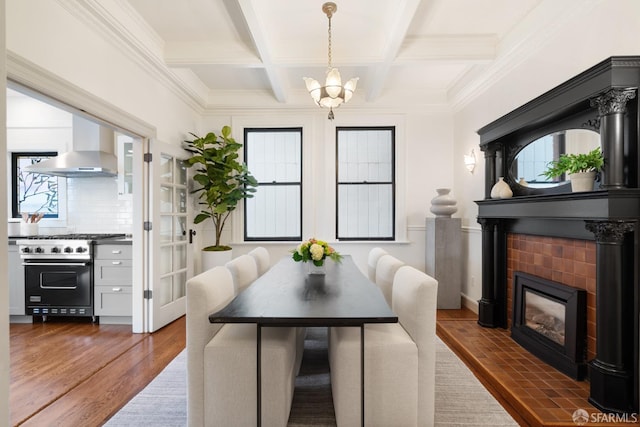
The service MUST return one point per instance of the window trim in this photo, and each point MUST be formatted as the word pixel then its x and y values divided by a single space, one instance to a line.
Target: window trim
pixel 15 213
pixel 393 183
pixel 270 129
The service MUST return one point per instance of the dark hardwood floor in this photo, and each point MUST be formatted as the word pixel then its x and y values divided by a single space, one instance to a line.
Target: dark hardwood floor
pixel 75 373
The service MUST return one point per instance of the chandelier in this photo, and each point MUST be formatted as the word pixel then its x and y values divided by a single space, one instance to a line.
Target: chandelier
pixel 333 93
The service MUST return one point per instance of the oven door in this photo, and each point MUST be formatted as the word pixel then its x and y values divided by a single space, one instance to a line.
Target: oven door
pixel 59 288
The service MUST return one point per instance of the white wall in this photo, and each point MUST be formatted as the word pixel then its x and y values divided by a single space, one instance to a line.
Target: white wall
pixel 425 157
pixel 610 28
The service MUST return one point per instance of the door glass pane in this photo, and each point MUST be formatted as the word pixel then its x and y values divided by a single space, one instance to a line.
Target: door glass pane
pixel 164 292
pixel 181 228
pixel 166 168
pixel 181 176
pixel 165 228
pixel 179 285
pixel 166 199
pixel 180 257
pixel 165 259
pixel 182 199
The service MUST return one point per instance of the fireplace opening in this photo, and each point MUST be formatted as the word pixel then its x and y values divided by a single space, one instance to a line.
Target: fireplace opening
pixel 549 320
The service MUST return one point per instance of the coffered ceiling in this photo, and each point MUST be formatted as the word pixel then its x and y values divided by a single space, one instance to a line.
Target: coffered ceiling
pixel 424 52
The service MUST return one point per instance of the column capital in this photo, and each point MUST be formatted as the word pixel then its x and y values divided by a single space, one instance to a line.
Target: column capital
pixel 613 102
pixel 610 231
pixel 487 224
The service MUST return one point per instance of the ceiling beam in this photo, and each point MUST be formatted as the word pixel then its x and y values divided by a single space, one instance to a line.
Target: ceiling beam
pixel 397 30
pixel 260 42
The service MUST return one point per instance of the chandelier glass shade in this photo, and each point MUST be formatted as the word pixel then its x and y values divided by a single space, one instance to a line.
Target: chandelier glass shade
pixel 333 93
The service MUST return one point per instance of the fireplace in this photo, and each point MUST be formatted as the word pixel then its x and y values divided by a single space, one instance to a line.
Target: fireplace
pixel 549 320
pixel 605 99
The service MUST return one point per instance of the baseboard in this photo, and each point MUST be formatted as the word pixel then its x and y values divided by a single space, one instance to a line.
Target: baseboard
pixel 469 303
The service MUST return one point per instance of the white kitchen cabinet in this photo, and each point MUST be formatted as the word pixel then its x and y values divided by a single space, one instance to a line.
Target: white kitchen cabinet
pixel 112 280
pixel 16 282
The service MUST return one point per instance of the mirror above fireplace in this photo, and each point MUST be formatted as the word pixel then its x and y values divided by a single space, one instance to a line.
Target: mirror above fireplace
pixel 531 161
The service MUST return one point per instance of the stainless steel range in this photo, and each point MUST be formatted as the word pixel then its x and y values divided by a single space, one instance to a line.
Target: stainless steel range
pixel 59 273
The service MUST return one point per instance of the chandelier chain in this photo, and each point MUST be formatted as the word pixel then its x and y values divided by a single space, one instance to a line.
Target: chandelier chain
pixel 329 31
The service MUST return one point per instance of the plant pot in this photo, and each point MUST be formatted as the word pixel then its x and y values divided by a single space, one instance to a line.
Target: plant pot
pixel 212 259
pixel 582 181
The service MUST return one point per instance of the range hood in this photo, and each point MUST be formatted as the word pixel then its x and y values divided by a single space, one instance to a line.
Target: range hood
pixel 92 154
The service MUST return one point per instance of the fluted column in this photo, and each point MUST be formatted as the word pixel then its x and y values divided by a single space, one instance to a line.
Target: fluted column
pixel 489 306
pixel 612 106
pixel 610 371
pixel 490 177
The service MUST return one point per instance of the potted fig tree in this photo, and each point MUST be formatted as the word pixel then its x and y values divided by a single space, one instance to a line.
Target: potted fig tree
pixel 223 182
pixel 580 169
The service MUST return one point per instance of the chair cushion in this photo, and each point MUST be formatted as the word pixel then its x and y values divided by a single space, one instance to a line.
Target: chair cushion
pixel 385 272
pixel 391 367
pixel 243 270
pixel 230 376
pixel 372 262
pixel 262 259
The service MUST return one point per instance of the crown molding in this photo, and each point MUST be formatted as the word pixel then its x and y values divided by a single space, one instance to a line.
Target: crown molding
pixel 519 45
pixel 118 23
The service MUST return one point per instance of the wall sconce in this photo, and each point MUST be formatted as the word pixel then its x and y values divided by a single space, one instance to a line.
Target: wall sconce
pixel 470 161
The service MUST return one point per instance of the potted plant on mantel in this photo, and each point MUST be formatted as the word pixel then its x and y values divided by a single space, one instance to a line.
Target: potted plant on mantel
pixel 224 181
pixel 580 168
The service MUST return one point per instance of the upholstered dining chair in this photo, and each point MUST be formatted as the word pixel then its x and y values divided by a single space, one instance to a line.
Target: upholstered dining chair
pixel 386 270
pixel 207 292
pixel 262 259
pixel 399 360
pixel 244 271
pixel 372 262
pixel 222 364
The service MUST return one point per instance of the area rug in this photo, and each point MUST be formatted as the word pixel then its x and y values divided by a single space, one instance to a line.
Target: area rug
pixel 461 400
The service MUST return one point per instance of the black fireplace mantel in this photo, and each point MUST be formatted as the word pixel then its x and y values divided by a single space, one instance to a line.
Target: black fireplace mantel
pixel 619 204
pixel 603 98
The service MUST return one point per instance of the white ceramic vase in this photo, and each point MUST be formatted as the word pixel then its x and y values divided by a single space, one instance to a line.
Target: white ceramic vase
pixel 501 190
pixel 444 204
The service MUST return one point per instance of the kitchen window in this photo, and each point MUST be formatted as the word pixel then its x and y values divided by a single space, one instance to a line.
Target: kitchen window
pixel 274 157
pixel 365 193
pixel 33 192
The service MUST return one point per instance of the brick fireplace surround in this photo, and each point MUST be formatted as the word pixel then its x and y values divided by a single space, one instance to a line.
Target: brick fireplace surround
pixel 571 262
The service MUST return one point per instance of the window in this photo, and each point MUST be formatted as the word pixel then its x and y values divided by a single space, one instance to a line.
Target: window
pixel 365 194
pixel 274 157
pixel 33 192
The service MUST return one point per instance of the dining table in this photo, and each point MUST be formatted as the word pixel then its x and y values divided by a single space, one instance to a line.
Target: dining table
pixel 288 295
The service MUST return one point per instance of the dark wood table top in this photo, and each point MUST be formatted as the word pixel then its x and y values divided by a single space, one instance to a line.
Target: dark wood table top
pixel 287 296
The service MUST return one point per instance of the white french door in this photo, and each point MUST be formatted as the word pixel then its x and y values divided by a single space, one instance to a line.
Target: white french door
pixel 170 262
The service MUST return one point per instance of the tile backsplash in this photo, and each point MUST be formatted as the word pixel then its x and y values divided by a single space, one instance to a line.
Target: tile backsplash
pixel 93 206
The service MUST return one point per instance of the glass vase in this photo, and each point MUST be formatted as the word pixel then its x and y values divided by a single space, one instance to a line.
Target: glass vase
pixel 316 269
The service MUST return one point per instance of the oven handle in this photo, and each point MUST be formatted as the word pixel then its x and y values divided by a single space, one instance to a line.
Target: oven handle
pixel 55 264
